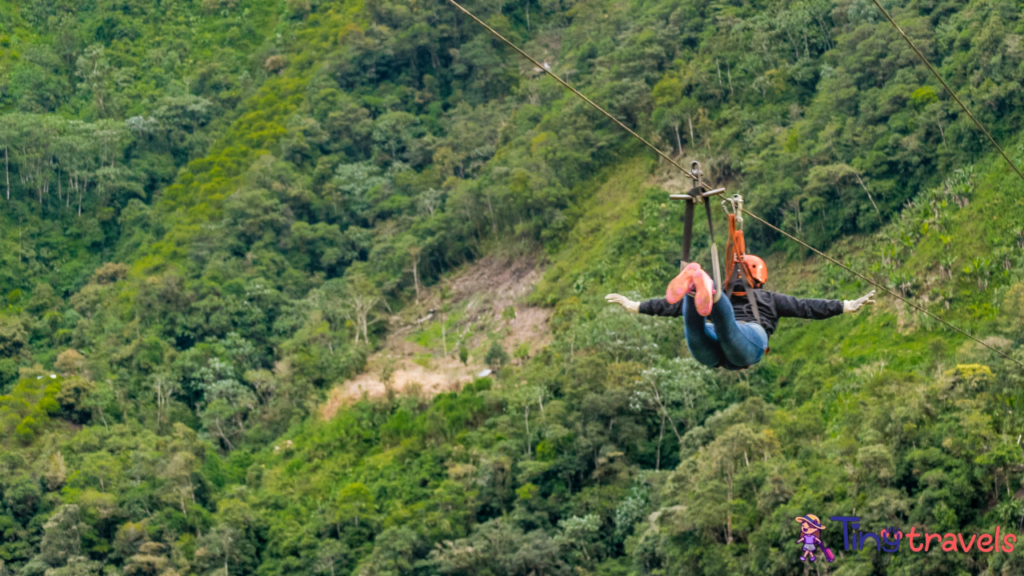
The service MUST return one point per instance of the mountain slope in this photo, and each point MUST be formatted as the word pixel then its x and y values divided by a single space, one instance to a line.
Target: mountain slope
pixel 268 188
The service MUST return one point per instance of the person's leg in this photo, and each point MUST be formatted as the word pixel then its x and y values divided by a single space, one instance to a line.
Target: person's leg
pixel 701 341
pixel 681 284
pixel 741 344
pixel 726 362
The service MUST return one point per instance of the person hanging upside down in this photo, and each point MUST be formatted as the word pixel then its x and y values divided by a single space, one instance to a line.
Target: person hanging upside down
pixel 733 339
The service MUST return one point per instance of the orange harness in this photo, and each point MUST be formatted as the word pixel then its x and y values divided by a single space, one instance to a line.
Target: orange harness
pixel 737 270
pixel 735 249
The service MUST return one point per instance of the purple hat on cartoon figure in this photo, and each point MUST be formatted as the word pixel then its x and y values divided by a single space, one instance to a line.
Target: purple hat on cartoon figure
pixel 812 520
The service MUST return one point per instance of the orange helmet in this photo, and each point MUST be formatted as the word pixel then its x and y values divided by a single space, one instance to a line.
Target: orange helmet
pixel 756 270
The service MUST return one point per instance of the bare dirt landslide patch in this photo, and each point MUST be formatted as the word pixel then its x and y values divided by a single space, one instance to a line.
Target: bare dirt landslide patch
pixel 416 360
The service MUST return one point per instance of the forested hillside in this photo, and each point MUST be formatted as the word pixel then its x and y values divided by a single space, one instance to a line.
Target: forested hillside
pixel 214 211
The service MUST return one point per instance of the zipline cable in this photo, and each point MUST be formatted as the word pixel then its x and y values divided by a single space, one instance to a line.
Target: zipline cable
pixel 745 211
pixel 547 71
pixel 948 89
pixel 876 284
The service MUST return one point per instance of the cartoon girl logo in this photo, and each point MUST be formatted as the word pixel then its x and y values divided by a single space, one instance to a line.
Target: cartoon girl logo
pixel 810 538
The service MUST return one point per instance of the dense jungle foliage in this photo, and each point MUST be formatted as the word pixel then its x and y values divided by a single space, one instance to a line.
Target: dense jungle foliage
pixel 212 209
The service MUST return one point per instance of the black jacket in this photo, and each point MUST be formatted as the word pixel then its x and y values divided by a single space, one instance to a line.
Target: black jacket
pixel 771 306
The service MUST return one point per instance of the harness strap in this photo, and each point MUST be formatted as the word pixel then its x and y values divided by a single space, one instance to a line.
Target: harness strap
pixel 750 298
pixel 736 271
pixel 734 278
pixel 715 266
pixel 687 230
pixel 711 226
pixel 697 194
pixel 734 244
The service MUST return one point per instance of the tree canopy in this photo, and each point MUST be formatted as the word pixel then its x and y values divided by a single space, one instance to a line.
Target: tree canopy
pixel 212 211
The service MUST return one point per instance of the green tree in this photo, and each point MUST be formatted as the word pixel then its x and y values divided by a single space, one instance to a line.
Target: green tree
pixel 328 555
pixel 393 131
pixel 354 501
pixel 520 399
pixel 395 555
pixel 581 533
pixel 676 393
pixel 182 118
pixel 496 356
pixel 62 537
pixel 361 299
pixel 352 185
pixel 96 73
pixel 77 566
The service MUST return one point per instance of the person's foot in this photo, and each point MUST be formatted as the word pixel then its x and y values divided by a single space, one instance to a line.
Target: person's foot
pixel 704 299
pixel 682 284
pixel 811 558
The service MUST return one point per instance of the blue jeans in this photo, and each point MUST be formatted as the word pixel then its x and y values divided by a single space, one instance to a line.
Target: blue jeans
pixel 724 342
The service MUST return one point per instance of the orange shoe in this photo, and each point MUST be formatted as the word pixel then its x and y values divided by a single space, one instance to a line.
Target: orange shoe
pixel 705 297
pixel 682 284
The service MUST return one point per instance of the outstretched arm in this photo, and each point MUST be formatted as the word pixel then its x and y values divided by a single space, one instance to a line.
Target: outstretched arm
pixel 808 308
pixel 816 308
pixel 654 307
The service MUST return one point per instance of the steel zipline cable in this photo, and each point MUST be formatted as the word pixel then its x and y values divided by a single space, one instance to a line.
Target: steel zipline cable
pixel 745 211
pixel 547 71
pixel 876 284
pixel 948 89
